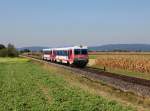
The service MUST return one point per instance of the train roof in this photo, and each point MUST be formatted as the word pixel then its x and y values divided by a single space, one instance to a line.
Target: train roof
pixel 47 49
pixel 66 48
pixel 74 47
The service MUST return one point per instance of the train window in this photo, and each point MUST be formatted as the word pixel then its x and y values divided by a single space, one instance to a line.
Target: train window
pixel 84 51
pixel 80 51
pixel 61 53
pixel 77 51
pixel 57 52
pixel 65 53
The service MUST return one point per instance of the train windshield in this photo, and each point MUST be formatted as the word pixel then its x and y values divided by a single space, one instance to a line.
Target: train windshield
pixel 84 51
pixel 80 51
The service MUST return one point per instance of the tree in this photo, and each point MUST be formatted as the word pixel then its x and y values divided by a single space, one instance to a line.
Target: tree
pixel 11 51
pixel 2 46
pixel 3 52
pixel 25 51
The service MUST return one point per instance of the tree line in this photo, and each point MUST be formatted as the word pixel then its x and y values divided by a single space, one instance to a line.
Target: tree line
pixel 8 51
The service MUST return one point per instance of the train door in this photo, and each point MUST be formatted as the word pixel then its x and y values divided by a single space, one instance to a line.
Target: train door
pixel 70 56
pixel 53 55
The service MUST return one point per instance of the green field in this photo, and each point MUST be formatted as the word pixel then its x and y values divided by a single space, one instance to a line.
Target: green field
pixel 26 86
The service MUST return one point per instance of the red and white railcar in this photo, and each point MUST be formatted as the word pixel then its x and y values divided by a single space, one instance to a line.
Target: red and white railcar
pixel 77 55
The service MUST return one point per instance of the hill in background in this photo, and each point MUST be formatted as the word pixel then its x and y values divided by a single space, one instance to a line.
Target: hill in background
pixel 121 47
pixel 110 47
pixel 34 48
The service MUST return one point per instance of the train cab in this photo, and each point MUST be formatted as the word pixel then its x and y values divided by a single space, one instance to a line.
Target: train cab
pixel 80 56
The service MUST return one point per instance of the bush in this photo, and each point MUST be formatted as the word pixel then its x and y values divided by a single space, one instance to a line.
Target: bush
pixel 10 51
pixel 25 51
pixel 2 46
pixel 3 53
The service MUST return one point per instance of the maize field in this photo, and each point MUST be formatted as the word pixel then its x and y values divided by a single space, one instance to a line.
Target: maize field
pixel 131 62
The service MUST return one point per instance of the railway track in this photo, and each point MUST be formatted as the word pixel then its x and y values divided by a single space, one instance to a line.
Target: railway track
pixel 134 80
pixel 138 86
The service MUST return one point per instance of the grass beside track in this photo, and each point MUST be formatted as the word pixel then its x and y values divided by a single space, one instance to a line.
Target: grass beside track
pixel 26 86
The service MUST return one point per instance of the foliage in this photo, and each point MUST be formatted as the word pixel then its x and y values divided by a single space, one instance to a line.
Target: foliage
pixel 14 60
pixel 27 86
pixel 2 46
pixel 12 52
pixel 25 51
pixel 3 52
pixel 9 51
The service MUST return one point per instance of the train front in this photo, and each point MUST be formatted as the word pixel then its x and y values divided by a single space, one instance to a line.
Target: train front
pixel 81 56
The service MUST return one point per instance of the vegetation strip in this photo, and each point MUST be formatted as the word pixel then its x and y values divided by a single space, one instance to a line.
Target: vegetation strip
pixel 27 86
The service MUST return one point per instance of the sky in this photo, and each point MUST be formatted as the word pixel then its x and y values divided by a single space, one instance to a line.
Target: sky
pixel 73 22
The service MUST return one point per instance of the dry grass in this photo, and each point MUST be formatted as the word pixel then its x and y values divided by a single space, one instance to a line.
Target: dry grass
pixel 130 62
